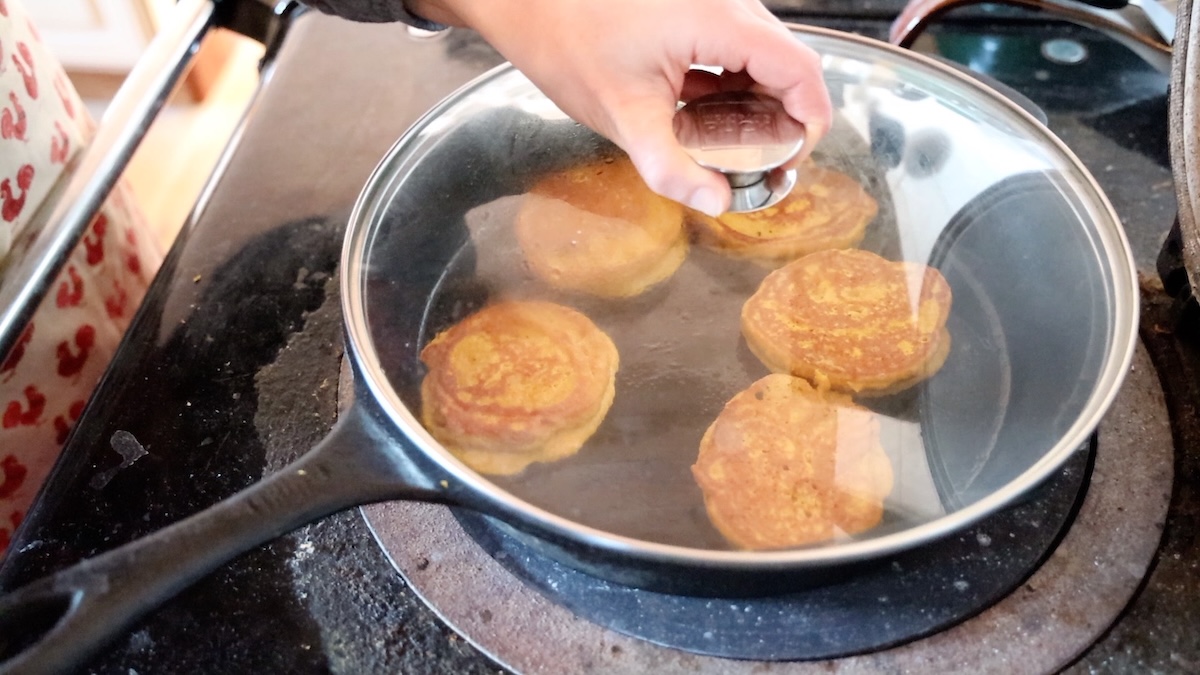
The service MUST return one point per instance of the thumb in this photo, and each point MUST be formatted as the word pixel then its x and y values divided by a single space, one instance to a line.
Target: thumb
pixel 648 137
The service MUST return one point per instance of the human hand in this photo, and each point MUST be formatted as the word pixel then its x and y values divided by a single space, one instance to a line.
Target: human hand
pixel 621 66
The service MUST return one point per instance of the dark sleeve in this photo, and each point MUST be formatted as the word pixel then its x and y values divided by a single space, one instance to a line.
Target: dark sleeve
pixel 374 11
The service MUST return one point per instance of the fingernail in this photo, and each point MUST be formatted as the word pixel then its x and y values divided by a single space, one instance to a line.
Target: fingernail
pixel 706 200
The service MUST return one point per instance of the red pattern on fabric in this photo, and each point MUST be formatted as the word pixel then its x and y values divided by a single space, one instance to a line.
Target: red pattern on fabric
pixel 70 291
pixel 60 145
pixel 95 245
pixel 13 204
pixel 63 87
pixel 71 362
pixel 14 475
pixel 118 303
pixel 64 423
pixel 13 124
pixel 25 65
pixel 18 351
pixel 15 415
pixel 15 518
pixel 49 372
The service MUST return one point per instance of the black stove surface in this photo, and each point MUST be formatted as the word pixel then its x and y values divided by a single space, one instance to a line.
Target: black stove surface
pixel 200 381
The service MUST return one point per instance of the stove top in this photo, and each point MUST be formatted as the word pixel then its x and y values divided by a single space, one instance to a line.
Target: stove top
pixel 232 365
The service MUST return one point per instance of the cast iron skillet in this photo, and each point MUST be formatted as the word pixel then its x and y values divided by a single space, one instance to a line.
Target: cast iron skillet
pixel 426 245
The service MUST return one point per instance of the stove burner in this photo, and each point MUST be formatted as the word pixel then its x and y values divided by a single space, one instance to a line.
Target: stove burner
pixel 897 600
pixel 531 614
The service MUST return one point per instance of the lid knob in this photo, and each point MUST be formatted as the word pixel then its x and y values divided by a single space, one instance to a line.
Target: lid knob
pixel 747 137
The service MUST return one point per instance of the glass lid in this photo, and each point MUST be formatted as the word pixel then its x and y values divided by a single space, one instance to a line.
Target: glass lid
pixel 932 322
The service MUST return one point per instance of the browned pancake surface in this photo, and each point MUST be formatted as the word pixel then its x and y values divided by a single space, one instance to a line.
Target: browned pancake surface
pixel 598 229
pixel 517 382
pixel 826 209
pixel 786 465
pixel 850 320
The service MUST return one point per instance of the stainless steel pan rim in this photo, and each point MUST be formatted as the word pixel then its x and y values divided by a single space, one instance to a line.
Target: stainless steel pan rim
pixel 1111 247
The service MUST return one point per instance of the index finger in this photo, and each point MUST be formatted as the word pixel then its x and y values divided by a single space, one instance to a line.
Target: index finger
pixel 791 71
pixel 781 66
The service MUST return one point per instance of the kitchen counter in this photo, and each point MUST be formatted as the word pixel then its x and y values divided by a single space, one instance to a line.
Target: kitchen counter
pixel 233 365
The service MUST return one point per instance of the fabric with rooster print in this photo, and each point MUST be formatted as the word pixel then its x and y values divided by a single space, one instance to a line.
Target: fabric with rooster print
pixel 47 378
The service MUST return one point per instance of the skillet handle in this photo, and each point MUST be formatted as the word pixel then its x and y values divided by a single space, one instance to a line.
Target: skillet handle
pixel 86 606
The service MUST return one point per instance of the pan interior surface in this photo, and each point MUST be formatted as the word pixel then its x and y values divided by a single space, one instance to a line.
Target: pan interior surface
pixel 1042 322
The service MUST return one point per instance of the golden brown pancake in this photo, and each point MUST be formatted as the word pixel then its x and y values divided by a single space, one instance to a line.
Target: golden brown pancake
pixel 517 383
pixel 597 229
pixel 786 465
pixel 826 209
pixel 851 320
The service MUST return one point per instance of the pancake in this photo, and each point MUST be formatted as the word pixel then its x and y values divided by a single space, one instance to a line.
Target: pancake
pixel 517 383
pixel 826 209
pixel 786 465
pixel 597 229
pixel 851 320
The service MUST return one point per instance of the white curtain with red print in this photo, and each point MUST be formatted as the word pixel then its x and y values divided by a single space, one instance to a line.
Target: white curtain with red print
pixel 46 380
